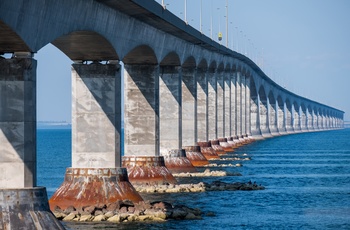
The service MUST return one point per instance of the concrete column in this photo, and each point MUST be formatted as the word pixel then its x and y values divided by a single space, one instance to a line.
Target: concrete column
pixel 189 116
pixel 141 111
pixel 170 104
pixel 272 116
pixel 96 176
pixel 17 123
pixel 233 105
pixel 314 118
pixel 141 126
pixel 228 104
pixel 289 122
pixel 238 105
pixel 189 107
pixel 243 108
pixel 202 105
pixel 280 116
pixel 170 120
pixel 220 106
pixel 96 116
pixel 212 105
pixel 254 109
pixel 263 115
pixel 247 107
pixel 23 205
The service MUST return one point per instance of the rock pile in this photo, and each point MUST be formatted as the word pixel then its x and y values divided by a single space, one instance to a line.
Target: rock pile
pixel 125 211
pixel 200 187
pixel 206 173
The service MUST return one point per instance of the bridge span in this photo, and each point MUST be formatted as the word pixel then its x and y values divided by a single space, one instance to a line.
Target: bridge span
pixel 186 100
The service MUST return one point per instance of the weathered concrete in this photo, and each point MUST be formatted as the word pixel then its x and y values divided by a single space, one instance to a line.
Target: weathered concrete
pixel 170 106
pixel 96 116
pixel 17 122
pixel 212 104
pixel 26 208
pixel 189 107
pixel 141 122
pixel 202 106
pixel 90 186
pixel 148 170
pixel 193 153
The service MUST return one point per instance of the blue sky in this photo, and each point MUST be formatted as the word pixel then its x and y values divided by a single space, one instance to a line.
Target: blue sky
pixel 301 44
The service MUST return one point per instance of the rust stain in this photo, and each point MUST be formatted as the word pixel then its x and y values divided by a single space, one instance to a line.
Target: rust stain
pixel 93 186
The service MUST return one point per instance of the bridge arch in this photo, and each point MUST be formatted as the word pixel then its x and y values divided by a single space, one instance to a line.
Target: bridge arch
pixel 142 54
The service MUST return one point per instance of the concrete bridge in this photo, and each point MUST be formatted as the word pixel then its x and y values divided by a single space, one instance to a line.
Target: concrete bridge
pixel 186 100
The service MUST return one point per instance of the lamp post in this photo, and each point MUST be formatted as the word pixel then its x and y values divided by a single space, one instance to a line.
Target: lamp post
pixel 200 19
pixel 186 12
pixel 227 23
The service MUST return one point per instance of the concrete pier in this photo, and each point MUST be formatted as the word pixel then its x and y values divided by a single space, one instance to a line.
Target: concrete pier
pixel 23 205
pixel 95 175
pixel 141 126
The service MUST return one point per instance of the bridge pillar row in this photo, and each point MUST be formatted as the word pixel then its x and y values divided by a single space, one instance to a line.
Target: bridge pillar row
pixel 18 149
pixel 96 176
pixel 142 156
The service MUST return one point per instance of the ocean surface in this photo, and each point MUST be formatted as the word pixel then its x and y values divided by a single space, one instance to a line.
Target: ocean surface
pixel 307 180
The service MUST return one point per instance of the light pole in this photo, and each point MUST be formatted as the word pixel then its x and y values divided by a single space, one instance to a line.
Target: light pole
pixel 186 12
pixel 211 20
pixel 200 18
pixel 227 23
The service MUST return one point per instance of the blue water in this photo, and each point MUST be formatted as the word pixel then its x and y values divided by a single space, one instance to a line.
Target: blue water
pixel 307 180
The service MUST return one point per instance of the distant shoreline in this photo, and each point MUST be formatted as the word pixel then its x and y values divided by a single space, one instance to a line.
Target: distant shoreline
pixel 53 125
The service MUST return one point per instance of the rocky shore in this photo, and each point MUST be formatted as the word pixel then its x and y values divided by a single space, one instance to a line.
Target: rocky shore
pixel 127 211
pixel 200 187
pixel 206 173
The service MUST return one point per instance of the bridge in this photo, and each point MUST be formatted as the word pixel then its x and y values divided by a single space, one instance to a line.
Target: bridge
pixel 187 99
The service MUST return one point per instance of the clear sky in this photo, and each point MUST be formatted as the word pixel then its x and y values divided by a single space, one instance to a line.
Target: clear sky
pixel 303 45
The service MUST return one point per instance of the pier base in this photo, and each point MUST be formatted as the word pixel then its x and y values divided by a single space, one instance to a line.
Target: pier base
pixel 26 208
pixel 215 144
pixel 225 145
pixel 148 170
pixel 193 153
pixel 93 186
pixel 177 162
pixel 207 151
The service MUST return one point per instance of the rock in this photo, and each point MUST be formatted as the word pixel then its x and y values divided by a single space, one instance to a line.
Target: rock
pixel 109 214
pixel 98 212
pixel 59 215
pixel 161 205
pixel 100 218
pixel 210 214
pixel 114 219
pixel 178 213
pixel 144 217
pixel 190 216
pixel 88 217
pixel 89 209
pixel 69 217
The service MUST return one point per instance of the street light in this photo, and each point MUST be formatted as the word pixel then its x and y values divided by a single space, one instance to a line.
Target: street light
pixel 227 23
pixel 186 12
pixel 200 18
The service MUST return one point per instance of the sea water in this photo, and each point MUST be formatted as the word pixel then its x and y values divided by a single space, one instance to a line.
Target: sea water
pixel 306 176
